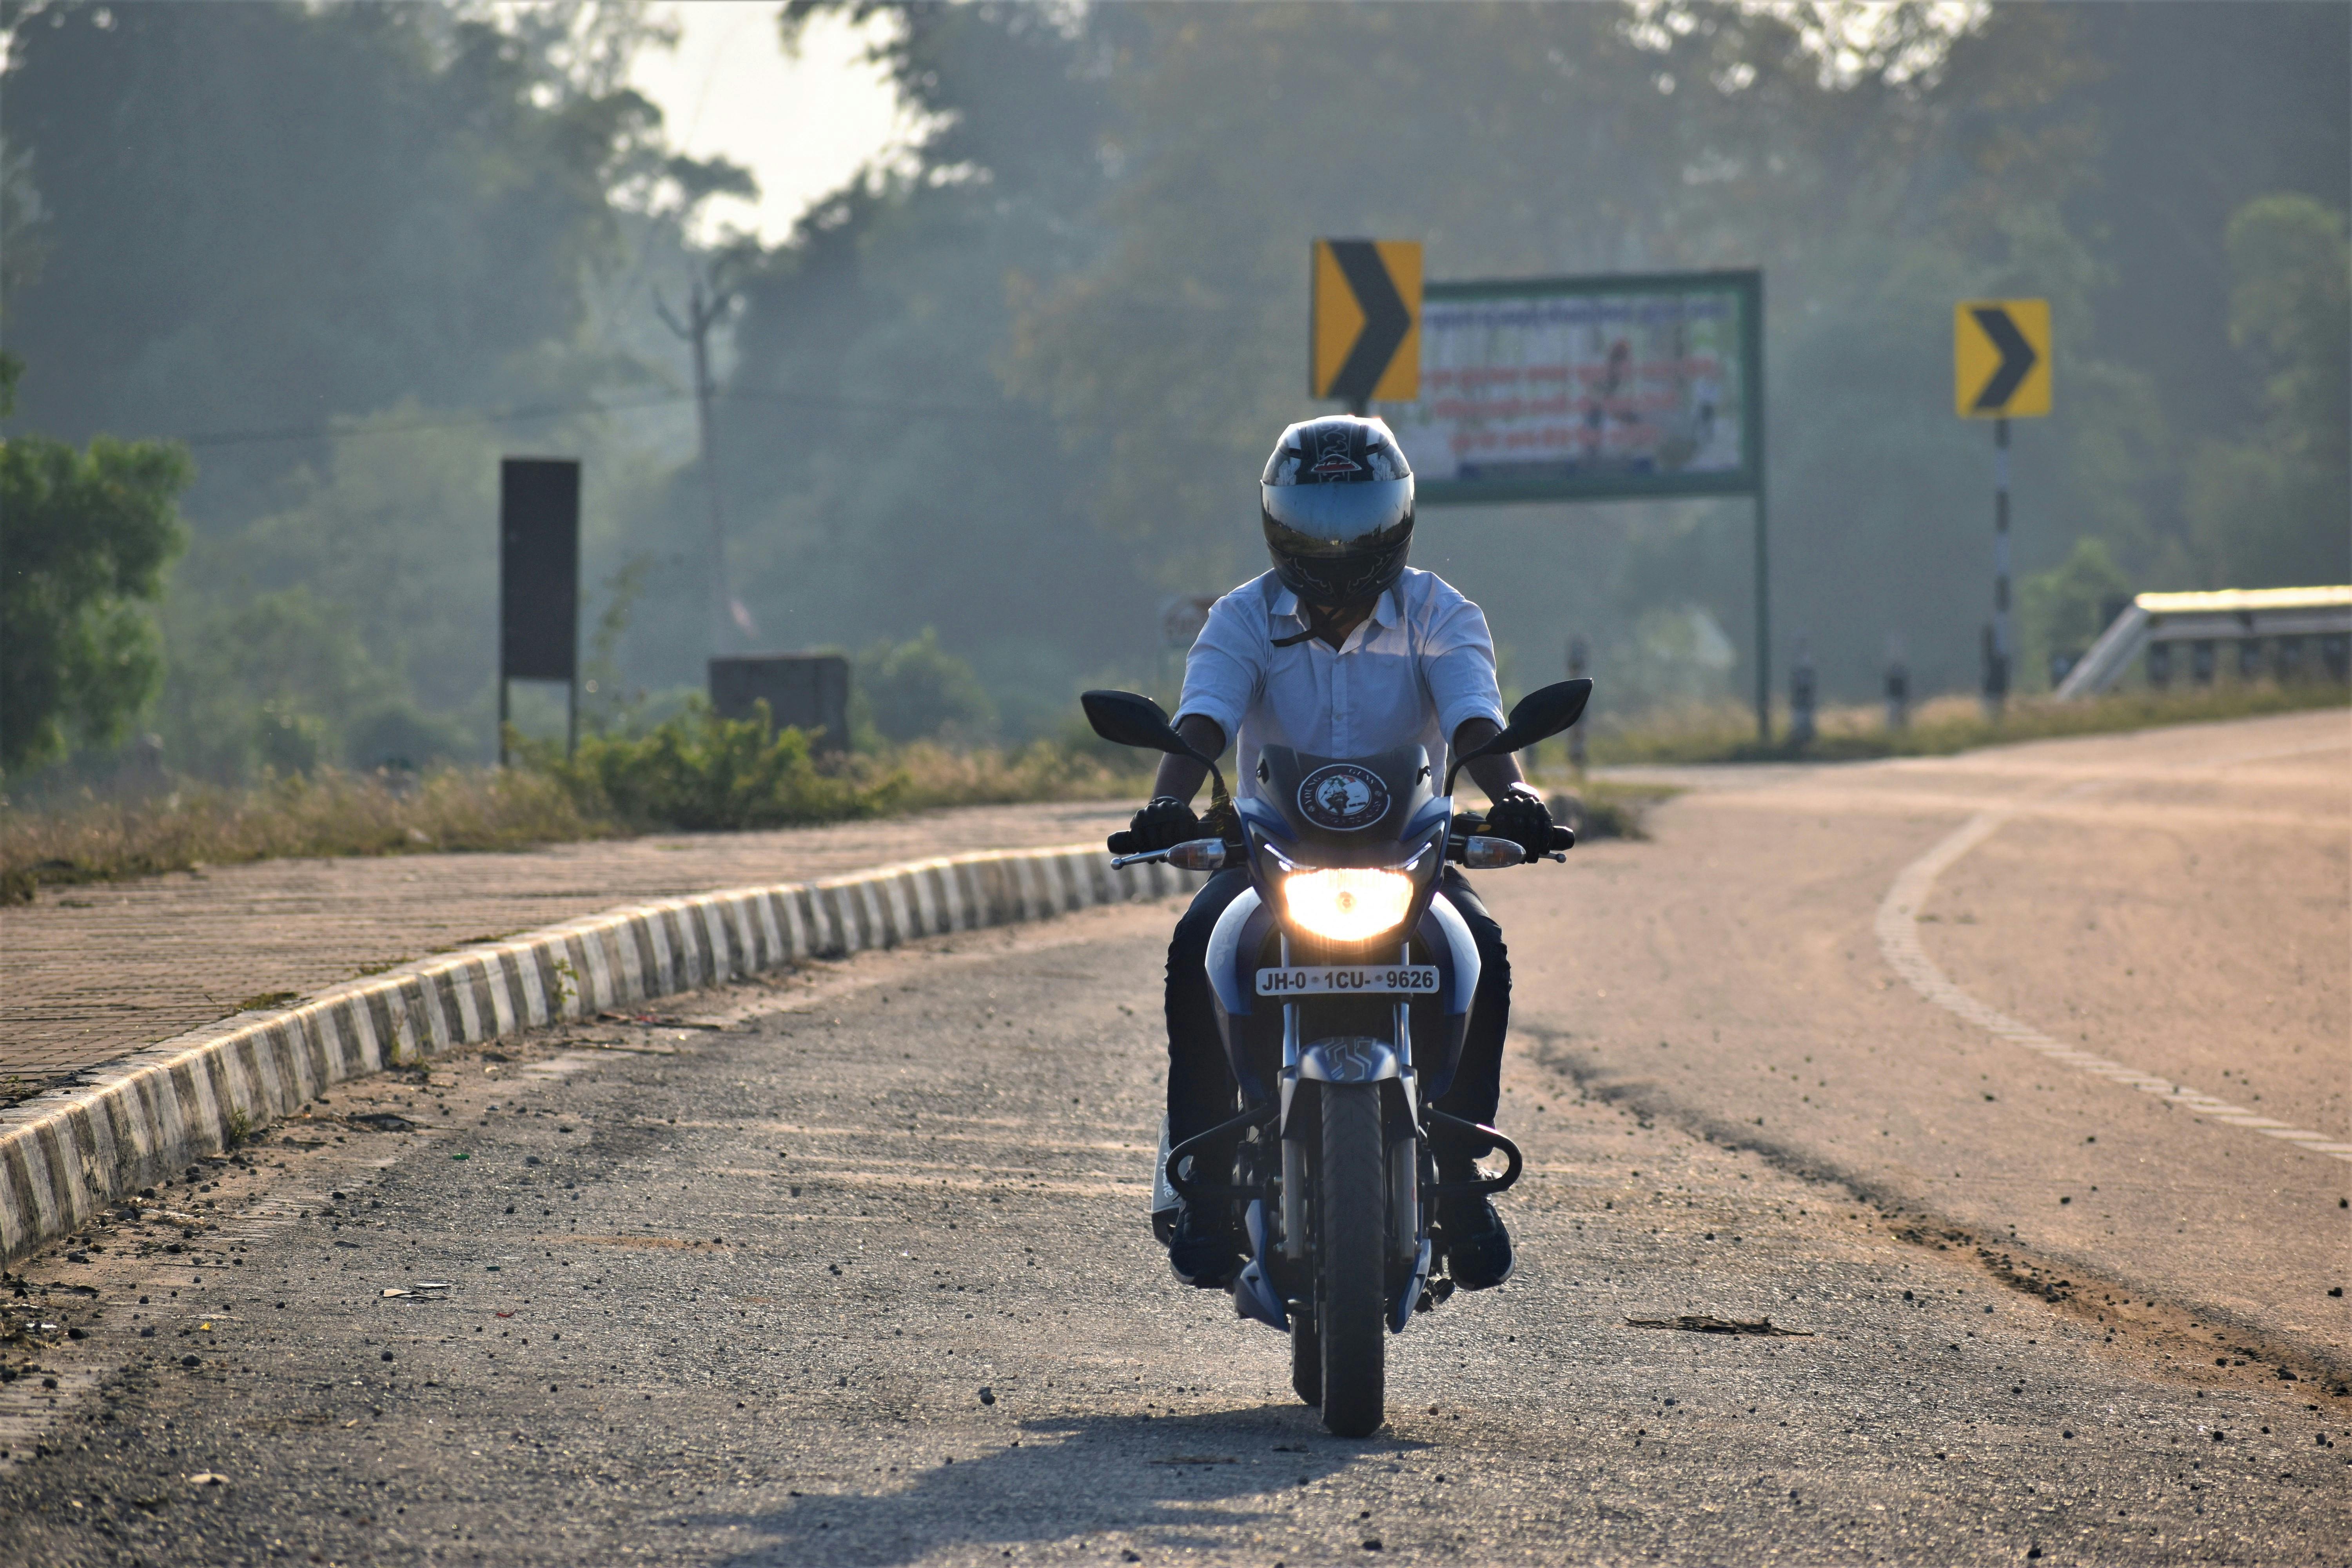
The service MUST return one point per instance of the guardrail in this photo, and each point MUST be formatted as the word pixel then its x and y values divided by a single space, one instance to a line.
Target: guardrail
pixel 2242 615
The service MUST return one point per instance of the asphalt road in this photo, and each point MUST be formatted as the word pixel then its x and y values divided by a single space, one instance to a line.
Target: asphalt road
pixel 856 1271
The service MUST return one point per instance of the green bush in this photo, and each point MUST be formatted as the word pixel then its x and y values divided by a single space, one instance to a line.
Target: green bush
pixel 699 772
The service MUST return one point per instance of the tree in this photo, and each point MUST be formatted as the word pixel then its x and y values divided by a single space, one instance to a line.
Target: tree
pixel 2270 509
pixel 85 537
pixel 2062 612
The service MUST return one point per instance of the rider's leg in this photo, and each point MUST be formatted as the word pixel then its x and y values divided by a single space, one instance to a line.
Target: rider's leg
pixel 1200 1085
pixel 1477 1085
pixel 1478 1248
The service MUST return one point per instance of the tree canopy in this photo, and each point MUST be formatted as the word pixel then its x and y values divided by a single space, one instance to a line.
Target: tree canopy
pixel 85 537
pixel 997 398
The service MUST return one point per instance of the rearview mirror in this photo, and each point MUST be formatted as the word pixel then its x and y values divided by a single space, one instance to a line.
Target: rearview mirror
pixel 1541 714
pixel 1131 719
pixel 1538 716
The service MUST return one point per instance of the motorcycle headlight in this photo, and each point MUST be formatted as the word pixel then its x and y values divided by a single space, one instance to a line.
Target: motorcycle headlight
pixel 1347 905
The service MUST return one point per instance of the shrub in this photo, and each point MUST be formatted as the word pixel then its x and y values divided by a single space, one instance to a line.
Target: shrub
pixel 699 772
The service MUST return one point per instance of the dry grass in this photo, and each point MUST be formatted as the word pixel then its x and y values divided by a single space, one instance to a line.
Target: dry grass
pixel 1946 724
pixel 931 775
pixel 333 814
pixel 475 809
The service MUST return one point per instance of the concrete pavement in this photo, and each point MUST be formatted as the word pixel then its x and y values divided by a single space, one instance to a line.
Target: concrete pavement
pixel 88 973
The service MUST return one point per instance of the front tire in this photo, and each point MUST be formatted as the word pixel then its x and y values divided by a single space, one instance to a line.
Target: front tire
pixel 1351 1305
pixel 1306 1360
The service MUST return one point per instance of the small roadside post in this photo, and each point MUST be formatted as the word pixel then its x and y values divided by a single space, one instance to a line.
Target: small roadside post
pixel 1800 696
pixel 2000 371
pixel 1898 685
pixel 539 583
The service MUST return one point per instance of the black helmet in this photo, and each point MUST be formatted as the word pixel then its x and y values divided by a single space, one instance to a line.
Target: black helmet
pixel 1336 500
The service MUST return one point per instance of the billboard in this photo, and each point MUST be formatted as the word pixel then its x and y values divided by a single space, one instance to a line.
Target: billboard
pixel 1588 388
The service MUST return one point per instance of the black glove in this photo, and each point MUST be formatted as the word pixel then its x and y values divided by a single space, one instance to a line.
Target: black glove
pixel 1164 822
pixel 1522 816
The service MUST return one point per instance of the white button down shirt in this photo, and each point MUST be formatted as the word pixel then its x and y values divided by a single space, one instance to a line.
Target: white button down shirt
pixel 1409 674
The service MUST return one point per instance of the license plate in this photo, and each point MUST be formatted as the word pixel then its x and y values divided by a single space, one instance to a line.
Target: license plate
pixel 1333 979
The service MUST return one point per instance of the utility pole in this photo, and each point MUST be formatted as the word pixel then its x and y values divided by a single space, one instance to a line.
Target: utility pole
pixel 708 306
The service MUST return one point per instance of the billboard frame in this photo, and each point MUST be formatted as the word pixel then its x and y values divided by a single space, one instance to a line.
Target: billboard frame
pixel 1746 283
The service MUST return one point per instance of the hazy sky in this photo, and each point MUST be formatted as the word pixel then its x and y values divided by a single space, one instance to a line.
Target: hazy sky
pixel 802 126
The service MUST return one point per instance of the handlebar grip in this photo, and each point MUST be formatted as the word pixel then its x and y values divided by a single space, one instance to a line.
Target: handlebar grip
pixel 1563 838
pixel 1122 842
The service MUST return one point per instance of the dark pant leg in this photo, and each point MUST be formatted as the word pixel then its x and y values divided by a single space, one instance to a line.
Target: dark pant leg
pixel 1200 1084
pixel 1477 1083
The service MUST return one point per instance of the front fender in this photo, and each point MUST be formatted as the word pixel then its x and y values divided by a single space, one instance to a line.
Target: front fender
pixel 1348 1059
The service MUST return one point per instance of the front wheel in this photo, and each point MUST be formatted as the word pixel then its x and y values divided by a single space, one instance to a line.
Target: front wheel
pixel 1350 1307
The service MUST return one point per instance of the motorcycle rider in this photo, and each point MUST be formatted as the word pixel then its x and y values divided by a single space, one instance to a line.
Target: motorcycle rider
pixel 1342 650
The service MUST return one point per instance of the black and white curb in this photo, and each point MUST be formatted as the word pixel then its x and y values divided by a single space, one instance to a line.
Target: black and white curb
pixel 65 1154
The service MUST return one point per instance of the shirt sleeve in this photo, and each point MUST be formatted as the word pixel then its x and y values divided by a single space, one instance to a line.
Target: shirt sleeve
pixel 1226 668
pixel 1458 662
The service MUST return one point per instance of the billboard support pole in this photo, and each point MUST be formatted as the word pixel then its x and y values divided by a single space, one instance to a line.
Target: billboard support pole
pixel 1763 628
pixel 1752 346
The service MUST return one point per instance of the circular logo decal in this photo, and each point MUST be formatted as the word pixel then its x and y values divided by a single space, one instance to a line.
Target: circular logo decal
pixel 1343 797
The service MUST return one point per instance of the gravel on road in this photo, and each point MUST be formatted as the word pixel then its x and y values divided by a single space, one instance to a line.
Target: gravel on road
pixel 852 1267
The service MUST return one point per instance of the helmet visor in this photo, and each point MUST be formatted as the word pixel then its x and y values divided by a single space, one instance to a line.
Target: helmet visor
pixel 1337 520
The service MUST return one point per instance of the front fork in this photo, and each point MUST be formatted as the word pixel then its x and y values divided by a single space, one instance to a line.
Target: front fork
pixel 1411 1171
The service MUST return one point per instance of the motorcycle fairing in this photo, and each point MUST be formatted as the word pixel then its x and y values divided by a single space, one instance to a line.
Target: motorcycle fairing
pixel 1367 837
pixel 1234 945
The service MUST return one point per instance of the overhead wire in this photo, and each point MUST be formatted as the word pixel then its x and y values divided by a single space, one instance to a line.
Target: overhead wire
pixel 461 418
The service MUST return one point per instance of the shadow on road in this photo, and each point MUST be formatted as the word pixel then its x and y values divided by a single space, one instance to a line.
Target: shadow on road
pixel 1182 1476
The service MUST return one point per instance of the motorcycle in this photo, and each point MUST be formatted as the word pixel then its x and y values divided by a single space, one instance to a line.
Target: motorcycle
pixel 1343 979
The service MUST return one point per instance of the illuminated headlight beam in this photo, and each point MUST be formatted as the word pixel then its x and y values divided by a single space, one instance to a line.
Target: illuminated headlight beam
pixel 1347 905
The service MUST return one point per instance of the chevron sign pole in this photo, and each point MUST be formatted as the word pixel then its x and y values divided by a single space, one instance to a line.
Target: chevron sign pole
pixel 2000 371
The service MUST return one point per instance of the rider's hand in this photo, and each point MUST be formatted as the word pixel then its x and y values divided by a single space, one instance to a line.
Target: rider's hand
pixel 1164 822
pixel 1522 816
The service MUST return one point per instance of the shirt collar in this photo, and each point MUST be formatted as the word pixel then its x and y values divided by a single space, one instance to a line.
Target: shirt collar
pixel 1386 611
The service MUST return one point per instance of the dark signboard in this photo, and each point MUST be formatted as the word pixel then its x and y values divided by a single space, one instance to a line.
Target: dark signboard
pixel 806 692
pixel 539 568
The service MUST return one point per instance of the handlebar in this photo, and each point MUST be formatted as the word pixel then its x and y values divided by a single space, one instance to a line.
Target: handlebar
pixel 1466 844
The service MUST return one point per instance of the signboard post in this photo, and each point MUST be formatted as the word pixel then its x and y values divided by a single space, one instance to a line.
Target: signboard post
pixel 1600 388
pixel 538 581
pixel 2000 371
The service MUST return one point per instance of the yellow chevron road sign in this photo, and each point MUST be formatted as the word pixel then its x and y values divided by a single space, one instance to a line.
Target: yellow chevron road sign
pixel 1365 343
pixel 2000 357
